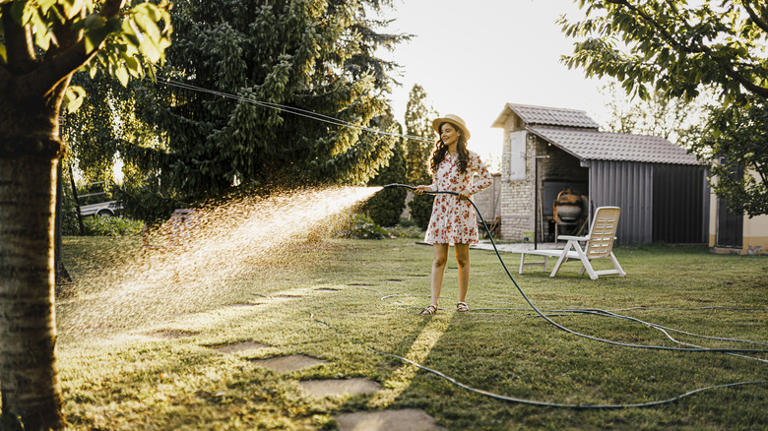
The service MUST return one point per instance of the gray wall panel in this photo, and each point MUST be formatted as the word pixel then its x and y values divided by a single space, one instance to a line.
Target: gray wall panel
pixel 629 186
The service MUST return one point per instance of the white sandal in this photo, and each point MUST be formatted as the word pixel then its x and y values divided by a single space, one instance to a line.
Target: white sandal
pixel 427 311
pixel 462 307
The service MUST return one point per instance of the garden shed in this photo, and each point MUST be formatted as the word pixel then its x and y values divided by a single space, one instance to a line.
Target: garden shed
pixel 553 153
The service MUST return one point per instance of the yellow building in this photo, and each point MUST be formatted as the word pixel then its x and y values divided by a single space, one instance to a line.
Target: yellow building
pixel 734 233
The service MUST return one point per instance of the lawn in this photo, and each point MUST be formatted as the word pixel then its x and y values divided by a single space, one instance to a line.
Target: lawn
pixel 143 358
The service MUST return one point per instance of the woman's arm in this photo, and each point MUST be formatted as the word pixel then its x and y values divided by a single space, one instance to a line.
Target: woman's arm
pixel 484 180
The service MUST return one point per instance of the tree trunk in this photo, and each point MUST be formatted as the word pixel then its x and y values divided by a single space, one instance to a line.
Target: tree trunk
pixel 28 374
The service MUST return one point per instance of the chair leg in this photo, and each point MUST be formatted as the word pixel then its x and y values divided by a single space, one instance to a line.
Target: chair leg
pixel 585 262
pixel 561 259
pixel 617 266
pixel 522 262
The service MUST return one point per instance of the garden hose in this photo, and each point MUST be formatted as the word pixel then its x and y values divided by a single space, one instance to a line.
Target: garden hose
pixel 603 313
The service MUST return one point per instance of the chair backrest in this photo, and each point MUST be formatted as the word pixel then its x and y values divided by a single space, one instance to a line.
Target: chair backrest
pixel 603 232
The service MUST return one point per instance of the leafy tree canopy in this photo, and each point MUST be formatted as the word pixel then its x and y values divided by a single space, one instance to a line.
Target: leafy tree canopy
pixel 674 45
pixel 735 139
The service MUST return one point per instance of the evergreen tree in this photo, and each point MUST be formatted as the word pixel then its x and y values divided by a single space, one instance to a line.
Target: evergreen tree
pixel 386 206
pixel 418 122
pixel 315 55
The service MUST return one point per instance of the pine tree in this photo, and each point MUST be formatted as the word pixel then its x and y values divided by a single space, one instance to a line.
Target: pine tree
pixel 315 55
pixel 418 122
pixel 386 206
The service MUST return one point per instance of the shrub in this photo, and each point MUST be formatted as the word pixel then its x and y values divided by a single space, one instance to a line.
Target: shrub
pixel 421 209
pixel 363 227
pixel 148 204
pixel 406 230
pixel 112 226
pixel 385 207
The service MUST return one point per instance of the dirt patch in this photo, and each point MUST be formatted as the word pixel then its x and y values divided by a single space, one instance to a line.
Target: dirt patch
pixel 284 364
pixel 241 347
pixel 353 386
pixel 402 420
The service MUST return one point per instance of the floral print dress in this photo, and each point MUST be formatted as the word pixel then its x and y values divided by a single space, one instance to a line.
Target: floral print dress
pixel 453 220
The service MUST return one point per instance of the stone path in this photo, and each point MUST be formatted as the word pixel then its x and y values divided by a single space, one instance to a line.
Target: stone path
pixel 385 420
pixel 241 347
pixel 354 386
pixel 285 364
pixel 388 420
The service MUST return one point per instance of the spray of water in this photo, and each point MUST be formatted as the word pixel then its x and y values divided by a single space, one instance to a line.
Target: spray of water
pixel 186 265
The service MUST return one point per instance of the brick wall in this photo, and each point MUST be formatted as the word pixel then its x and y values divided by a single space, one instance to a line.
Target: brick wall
pixel 516 197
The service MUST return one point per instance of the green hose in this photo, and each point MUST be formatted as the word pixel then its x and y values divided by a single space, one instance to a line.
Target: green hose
pixel 730 351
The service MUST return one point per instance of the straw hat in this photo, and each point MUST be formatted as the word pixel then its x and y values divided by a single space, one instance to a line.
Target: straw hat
pixel 454 120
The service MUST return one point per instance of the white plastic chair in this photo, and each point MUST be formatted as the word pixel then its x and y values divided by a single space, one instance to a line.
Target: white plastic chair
pixel 599 245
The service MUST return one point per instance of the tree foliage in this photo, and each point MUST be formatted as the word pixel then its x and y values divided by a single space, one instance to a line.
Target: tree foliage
pixel 659 115
pixel 735 138
pixel 675 49
pixel 42 44
pixel 674 46
pixel 386 206
pixel 418 123
pixel 314 55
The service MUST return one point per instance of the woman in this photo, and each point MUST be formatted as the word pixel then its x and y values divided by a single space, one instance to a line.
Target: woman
pixel 453 219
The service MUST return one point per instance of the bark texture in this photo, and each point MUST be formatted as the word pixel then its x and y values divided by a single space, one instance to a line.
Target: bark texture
pixel 28 372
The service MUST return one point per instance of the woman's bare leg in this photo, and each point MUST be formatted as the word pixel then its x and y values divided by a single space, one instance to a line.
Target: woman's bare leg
pixel 462 260
pixel 438 269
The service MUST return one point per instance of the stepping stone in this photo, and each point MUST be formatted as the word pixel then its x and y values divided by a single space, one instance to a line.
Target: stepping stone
pixel 241 347
pixel 171 333
pixel 353 386
pixel 401 420
pixel 241 305
pixel 284 364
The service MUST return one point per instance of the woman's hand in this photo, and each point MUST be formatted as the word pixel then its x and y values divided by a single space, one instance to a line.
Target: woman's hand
pixel 463 196
pixel 421 189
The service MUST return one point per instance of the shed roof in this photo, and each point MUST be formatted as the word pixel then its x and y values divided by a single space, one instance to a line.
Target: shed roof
pixel 586 144
pixel 543 115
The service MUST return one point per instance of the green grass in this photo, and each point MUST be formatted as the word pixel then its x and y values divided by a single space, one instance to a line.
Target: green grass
pixel 113 377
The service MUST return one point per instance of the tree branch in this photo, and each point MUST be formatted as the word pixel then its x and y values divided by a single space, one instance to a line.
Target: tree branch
pixel 723 63
pixel 760 21
pixel 61 66
pixel 18 43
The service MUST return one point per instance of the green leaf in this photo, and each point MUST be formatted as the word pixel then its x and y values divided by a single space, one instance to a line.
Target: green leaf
pixel 3 53
pixel 122 75
pixel 73 97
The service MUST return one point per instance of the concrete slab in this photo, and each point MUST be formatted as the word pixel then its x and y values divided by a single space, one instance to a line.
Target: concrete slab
pixel 388 420
pixel 244 347
pixel 354 386
pixel 284 364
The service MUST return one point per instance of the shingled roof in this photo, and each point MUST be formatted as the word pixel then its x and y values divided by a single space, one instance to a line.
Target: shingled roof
pixel 543 115
pixel 586 144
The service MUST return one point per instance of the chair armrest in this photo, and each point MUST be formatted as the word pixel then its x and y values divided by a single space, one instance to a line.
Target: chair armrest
pixel 573 238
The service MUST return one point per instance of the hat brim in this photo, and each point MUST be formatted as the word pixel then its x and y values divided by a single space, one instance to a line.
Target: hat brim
pixel 438 121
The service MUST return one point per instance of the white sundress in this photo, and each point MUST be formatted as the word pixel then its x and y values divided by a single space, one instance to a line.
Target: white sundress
pixel 453 221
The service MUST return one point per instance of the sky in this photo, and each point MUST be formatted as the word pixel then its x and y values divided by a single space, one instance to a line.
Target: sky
pixel 473 57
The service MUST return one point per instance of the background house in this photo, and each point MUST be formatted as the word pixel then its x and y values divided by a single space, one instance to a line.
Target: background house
pixel 736 233
pixel 661 189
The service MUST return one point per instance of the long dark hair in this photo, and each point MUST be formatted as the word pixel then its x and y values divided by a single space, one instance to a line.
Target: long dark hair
pixel 438 154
